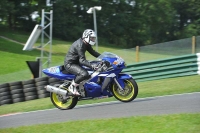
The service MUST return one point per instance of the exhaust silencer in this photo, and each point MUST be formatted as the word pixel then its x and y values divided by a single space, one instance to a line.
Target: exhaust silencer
pixel 56 90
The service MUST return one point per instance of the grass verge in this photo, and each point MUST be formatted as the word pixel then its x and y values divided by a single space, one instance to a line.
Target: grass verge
pixel 177 123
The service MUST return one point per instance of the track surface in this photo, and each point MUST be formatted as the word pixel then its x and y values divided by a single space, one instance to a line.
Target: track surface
pixel 183 103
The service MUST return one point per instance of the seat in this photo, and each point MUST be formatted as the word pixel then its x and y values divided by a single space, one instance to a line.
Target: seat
pixel 63 70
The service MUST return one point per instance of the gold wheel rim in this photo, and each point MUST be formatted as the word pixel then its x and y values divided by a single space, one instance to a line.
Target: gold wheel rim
pixel 129 86
pixel 59 103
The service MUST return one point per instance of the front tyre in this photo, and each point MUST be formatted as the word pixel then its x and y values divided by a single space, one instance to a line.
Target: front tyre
pixel 129 93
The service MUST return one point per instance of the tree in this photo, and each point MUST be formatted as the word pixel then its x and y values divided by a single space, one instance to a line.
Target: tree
pixel 17 13
pixel 6 11
pixel 187 17
pixel 121 22
pixel 67 23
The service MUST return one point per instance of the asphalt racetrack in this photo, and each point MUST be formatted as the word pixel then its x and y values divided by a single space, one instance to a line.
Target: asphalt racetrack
pixel 174 104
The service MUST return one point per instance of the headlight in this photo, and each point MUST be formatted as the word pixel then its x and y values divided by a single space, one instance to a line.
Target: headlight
pixel 119 61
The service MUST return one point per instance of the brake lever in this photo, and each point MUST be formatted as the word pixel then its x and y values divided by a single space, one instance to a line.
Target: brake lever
pixel 99 69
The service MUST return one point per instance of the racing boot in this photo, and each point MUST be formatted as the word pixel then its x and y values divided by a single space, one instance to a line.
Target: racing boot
pixel 64 85
pixel 73 89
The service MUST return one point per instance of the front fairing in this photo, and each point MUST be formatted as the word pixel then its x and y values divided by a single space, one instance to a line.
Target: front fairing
pixel 115 61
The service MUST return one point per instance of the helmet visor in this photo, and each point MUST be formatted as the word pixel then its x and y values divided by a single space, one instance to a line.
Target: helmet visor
pixel 93 39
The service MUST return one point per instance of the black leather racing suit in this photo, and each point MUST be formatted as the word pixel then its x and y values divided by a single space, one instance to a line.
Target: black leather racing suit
pixel 76 57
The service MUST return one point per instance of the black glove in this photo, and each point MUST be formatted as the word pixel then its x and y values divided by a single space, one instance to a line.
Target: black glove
pixel 94 67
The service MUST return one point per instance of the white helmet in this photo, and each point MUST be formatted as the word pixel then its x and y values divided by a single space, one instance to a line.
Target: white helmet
pixel 89 36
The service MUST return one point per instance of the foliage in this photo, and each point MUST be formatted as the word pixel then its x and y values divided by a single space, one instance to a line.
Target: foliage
pixel 121 22
pixel 68 24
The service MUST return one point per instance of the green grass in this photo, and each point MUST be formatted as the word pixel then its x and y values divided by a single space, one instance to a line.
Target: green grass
pixel 177 123
pixel 13 58
pixel 146 89
pixel 19 36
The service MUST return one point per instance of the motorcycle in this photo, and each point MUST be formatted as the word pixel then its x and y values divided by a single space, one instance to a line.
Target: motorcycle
pixel 107 80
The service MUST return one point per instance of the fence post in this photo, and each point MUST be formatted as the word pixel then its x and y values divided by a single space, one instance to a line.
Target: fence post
pixel 137 53
pixel 193 44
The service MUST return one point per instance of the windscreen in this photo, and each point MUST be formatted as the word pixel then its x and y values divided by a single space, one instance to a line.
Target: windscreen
pixel 107 55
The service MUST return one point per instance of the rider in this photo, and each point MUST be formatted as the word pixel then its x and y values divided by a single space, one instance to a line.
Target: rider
pixel 76 57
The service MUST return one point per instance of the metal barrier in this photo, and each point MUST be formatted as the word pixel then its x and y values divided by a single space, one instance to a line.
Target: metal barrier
pixel 166 68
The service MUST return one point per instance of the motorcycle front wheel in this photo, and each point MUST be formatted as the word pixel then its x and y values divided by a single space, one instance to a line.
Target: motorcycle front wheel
pixel 129 92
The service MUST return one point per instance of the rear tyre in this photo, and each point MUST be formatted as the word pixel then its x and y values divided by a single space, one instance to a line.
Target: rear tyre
pixel 129 93
pixel 63 102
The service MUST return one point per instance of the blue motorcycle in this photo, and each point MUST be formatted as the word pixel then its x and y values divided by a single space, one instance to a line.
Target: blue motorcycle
pixel 108 80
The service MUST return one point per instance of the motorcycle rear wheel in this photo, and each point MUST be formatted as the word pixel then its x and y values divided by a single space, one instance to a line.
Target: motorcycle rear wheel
pixel 62 102
pixel 129 93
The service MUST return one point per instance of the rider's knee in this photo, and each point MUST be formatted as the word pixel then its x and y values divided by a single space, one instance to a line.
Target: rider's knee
pixel 84 74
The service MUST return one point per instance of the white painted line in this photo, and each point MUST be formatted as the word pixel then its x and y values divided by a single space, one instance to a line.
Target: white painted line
pixel 137 99
pixel 103 103
pixel 10 114
pixel 18 113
